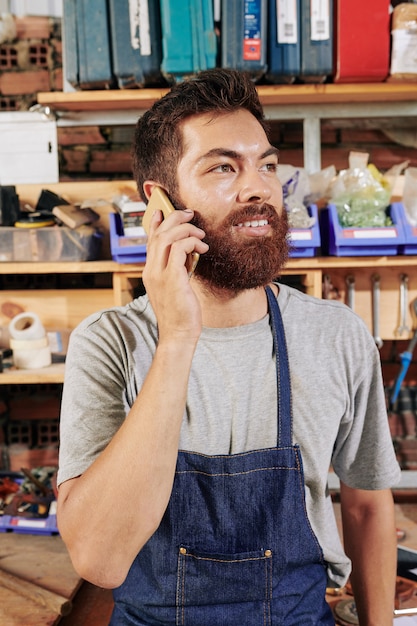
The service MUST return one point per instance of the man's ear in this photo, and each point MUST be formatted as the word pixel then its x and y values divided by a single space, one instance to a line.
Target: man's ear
pixel 148 187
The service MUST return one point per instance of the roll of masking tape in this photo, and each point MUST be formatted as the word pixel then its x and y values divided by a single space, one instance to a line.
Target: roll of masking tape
pixel 26 326
pixel 29 342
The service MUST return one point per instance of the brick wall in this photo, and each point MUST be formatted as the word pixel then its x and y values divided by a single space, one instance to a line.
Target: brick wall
pixel 33 62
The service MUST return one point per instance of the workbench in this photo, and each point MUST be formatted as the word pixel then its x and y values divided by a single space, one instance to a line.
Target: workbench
pixel 44 561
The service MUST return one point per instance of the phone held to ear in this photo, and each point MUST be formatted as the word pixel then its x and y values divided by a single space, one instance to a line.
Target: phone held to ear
pixel 159 201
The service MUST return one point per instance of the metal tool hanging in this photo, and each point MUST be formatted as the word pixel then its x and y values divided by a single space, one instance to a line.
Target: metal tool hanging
pixel 405 358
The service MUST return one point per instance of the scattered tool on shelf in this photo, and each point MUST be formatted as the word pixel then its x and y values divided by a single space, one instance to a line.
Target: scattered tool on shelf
pixel 405 358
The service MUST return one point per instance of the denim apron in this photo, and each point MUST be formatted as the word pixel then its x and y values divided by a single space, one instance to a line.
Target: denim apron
pixel 235 547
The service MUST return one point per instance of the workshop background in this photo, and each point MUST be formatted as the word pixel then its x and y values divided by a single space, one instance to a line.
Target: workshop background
pixel 91 158
pixel 32 63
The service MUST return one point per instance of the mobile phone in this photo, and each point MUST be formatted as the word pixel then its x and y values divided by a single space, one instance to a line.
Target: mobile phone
pixel 160 201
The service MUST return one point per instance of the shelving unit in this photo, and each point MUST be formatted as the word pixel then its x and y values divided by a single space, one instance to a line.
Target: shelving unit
pixel 309 103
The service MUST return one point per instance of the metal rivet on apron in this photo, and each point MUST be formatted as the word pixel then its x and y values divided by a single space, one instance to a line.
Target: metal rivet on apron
pixel 183 551
pixel 268 553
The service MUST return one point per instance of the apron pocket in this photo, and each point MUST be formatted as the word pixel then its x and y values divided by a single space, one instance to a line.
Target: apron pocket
pixel 207 580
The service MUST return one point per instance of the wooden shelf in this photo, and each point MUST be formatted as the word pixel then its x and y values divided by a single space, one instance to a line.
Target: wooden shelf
pixel 309 103
pixel 52 374
pixel 67 267
pixel 111 100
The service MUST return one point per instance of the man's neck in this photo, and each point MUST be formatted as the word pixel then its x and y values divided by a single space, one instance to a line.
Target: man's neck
pixel 224 309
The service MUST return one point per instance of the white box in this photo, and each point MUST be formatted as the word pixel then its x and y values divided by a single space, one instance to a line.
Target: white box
pixel 28 148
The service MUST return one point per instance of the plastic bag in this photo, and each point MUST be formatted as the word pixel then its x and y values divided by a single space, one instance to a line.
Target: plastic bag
pixel 361 194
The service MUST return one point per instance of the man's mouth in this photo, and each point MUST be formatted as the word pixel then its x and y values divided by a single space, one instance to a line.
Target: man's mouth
pixel 253 223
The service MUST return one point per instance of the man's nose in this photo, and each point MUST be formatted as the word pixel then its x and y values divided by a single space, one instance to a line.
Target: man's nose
pixel 254 188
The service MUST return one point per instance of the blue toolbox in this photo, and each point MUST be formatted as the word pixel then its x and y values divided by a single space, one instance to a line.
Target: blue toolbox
pixel 244 36
pixel 284 41
pixel 360 241
pixel 136 40
pixel 87 54
pixel 189 42
pixel 316 40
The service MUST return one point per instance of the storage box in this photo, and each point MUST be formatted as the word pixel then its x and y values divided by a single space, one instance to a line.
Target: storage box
pixel 284 41
pixel 135 28
pixel 28 148
pixel 50 243
pixel 189 41
pixel 244 36
pixel 316 40
pixel 410 231
pixel 338 241
pixel 86 44
pixel 306 241
pixel 125 249
pixel 31 526
pixel 362 40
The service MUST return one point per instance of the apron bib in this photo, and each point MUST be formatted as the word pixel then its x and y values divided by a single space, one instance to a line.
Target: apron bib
pixel 235 547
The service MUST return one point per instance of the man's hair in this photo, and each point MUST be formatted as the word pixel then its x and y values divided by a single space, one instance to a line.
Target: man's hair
pixel 158 146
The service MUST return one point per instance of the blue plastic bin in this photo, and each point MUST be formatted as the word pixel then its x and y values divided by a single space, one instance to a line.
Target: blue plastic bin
pixel 125 249
pixel 306 241
pixel 30 525
pixel 379 241
pixel 410 231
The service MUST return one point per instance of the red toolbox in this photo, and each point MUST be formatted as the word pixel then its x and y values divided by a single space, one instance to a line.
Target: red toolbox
pixel 362 41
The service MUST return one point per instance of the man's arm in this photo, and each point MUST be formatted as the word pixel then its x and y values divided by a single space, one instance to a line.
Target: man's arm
pixel 108 513
pixel 370 541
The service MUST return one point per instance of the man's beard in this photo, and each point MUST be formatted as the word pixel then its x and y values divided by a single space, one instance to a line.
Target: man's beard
pixel 234 263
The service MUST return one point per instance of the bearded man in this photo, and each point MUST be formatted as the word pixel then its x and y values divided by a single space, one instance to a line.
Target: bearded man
pixel 199 422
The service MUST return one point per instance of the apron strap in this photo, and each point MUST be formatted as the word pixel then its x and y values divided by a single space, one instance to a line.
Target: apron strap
pixel 283 372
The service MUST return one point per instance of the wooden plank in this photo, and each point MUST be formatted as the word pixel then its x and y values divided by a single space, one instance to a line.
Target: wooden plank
pixel 111 100
pixel 57 309
pixel 42 560
pixel 52 374
pixel 79 191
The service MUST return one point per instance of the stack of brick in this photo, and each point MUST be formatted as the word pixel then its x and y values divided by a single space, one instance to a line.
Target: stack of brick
pixel 30 63
pixel 30 434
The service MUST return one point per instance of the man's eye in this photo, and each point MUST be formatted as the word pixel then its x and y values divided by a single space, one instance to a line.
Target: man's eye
pixel 224 167
pixel 270 167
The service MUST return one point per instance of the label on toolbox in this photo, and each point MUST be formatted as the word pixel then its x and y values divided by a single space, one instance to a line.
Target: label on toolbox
pixel 286 21
pixel 252 31
pixel 370 233
pixel 320 20
pixel 140 30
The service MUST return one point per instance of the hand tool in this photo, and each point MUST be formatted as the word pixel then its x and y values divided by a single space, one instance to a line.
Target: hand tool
pixel 405 359
pixel 403 328
pixel 375 310
pixel 350 282
pixel 49 599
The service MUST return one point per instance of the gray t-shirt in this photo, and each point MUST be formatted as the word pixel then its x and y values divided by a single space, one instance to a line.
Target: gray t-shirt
pixel 339 412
